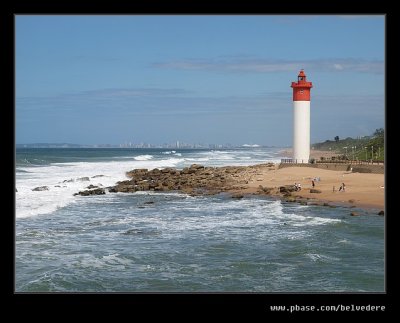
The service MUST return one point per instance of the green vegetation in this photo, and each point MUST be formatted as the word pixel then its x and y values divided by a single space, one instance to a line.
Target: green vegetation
pixel 363 148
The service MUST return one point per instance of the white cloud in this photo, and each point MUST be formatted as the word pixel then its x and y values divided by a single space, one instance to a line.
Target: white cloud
pixel 338 67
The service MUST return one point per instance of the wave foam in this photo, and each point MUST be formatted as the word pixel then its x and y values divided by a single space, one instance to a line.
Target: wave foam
pixel 143 157
pixel 62 182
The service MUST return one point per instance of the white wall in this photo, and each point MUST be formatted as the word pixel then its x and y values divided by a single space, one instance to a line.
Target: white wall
pixel 301 131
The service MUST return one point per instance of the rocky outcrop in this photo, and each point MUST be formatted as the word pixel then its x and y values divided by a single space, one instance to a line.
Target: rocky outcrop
pixel 97 191
pixel 381 213
pixel 314 190
pixel 287 189
pixel 41 188
pixel 193 180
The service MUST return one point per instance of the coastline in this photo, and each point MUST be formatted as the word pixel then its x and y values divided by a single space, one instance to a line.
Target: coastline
pixel 363 190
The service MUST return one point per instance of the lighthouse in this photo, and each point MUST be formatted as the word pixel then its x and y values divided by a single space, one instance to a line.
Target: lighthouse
pixel 301 118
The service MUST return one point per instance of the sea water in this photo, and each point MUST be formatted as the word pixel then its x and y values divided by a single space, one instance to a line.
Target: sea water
pixel 172 242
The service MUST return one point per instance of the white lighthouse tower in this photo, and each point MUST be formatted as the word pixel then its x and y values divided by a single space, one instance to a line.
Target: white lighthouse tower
pixel 301 119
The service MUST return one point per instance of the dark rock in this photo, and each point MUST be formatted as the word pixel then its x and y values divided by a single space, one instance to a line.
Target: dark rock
pixel 155 171
pixel 41 188
pixel 149 202
pixel 381 213
pixel 112 189
pixel 68 180
pixel 354 214
pixel 95 176
pixel 325 204
pixel 97 191
pixel 83 179
pixel 287 189
pixel 195 166
pixel 313 190
pixel 92 186
pixel 168 170
pixel 351 201
pixel 237 196
pixel 185 171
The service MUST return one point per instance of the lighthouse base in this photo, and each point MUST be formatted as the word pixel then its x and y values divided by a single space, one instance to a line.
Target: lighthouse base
pixel 301 131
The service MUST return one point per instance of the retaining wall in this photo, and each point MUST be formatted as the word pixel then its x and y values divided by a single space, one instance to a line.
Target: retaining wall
pixel 375 169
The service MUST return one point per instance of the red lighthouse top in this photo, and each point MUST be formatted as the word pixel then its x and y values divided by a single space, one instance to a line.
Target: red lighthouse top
pixel 301 88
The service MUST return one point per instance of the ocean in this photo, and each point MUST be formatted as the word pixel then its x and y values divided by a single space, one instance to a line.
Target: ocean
pixel 171 242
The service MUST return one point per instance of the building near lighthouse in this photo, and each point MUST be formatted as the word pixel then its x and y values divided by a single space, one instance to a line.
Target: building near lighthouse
pixel 301 118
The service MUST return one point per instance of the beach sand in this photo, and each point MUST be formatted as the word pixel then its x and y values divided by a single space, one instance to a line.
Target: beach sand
pixel 363 190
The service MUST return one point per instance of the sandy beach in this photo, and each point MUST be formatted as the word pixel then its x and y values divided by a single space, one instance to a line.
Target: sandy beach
pixel 361 190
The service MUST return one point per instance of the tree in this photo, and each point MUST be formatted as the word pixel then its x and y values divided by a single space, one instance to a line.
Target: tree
pixel 379 132
pixel 337 138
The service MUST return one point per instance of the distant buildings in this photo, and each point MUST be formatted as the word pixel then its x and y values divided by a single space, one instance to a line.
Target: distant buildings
pixel 142 145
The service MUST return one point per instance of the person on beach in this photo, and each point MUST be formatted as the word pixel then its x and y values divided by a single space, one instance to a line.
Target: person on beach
pixel 313 183
pixel 343 187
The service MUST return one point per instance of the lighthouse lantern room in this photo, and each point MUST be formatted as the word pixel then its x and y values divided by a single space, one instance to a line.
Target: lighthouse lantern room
pixel 301 118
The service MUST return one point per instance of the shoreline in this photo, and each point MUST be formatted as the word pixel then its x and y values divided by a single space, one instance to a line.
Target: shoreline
pixel 363 190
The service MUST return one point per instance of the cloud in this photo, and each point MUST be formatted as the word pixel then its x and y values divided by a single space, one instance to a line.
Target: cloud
pixel 251 65
pixel 338 67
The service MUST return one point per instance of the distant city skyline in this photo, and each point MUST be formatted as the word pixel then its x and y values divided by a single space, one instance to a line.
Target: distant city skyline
pixel 176 145
pixel 207 79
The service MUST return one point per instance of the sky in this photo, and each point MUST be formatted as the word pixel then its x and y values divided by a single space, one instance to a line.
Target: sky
pixel 110 79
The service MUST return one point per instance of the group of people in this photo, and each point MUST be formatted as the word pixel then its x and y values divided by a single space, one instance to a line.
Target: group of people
pixel 297 186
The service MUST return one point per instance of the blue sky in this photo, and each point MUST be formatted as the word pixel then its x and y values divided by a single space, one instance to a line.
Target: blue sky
pixel 197 79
